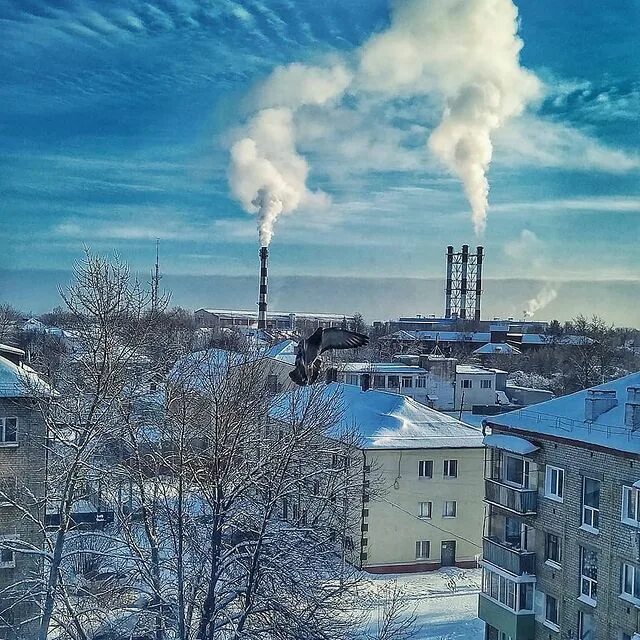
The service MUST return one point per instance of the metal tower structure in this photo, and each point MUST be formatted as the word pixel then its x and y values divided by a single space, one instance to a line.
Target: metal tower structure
pixel 262 291
pixel 155 280
pixel 463 293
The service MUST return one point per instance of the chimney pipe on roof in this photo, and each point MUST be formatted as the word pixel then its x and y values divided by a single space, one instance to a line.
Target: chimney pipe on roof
pixel 599 401
pixel 632 409
pixel 262 295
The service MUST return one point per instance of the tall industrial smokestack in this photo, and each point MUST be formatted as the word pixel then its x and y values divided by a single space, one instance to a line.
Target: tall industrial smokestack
pixel 447 300
pixel 463 282
pixel 479 256
pixel 262 299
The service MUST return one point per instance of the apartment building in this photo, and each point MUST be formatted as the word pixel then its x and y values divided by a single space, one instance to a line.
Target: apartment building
pixel 561 545
pixel 22 480
pixel 421 504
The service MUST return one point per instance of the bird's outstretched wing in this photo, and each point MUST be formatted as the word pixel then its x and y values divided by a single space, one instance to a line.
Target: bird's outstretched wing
pixel 342 339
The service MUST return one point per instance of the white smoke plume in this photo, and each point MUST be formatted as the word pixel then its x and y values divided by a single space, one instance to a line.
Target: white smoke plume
pixel 544 297
pixel 267 174
pixel 468 52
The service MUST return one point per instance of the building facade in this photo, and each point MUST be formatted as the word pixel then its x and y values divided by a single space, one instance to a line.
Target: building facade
pixel 561 545
pixel 22 490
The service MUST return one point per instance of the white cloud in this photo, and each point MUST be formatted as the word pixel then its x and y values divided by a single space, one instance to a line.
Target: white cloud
pixel 532 141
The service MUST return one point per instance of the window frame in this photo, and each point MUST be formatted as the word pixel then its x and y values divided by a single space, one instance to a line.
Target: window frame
pixel 429 510
pixel 548 475
pixel 7 564
pixel 548 621
pixel 486 383
pixel 407 382
pixel 447 465
pixel 593 512
pixel 425 465
pixel 455 508
pixel 627 493
pixel 635 582
pixel 421 382
pixel 591 594
pixel 558 546
pixel 581 615
pixel 420 544
pixel 466 383
pixel 3 431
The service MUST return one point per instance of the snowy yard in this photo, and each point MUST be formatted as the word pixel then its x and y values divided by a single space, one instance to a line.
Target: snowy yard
pixel 445 602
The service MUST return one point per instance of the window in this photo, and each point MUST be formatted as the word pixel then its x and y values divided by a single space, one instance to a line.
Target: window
pixel 551 610
pixel 516 471
pixel 272 383
pixel 8 489
pixel 353 379
pixel 554 483
pixel 378 382
pixel 425 469
pixel 393 382
pixel 407 382
pixel 588 575
pixel 630 506
pixel 423 548
pixel 466 383
pixel 7 555
pixel 421 382
pixel 515 596
pixel 8 429
pixel 586 626
pixel 631 581
pixel 591 504
pixel 449 509
pixel 552 549
pixel 485 384
pixel 450 468
pixel 425 509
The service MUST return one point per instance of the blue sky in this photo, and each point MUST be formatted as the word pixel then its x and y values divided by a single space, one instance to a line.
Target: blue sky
pixel 116 120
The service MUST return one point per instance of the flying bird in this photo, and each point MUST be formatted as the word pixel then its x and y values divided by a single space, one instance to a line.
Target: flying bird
pixel 308 360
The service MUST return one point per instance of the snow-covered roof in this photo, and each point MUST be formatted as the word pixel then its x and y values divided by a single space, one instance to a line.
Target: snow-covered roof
pixel 565 417
pixel 383 420
pixel 494 348
pixel 20 381
pixel 5 348
pixel 389 368
pixel 483 337
pixel 253 314
pixel 284 351
pixel 514 444
pixel 474 370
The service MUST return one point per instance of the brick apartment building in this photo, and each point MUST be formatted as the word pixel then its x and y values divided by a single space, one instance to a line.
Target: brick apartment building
pixel 561 545
pixel 22 481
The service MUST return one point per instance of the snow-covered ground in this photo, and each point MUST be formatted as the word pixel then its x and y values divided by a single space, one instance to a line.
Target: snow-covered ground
pixel 445 602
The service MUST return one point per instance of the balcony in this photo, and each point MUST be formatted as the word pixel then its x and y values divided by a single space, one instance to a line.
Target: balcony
pixel 512 624
pixel 510 559
pixel 522 501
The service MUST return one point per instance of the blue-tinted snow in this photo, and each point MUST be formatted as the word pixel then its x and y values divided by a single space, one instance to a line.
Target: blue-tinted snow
pixel 564 417
pixel 383 420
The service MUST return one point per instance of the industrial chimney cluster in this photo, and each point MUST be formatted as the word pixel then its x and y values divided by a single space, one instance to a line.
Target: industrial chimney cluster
pixel 262 293
pixel 463 291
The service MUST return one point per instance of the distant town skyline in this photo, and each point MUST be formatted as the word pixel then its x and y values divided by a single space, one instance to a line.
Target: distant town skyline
pixel 118 117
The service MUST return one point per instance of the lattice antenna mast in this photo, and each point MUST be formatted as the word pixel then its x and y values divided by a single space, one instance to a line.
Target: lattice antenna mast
pixel 155 279
pixel 463 292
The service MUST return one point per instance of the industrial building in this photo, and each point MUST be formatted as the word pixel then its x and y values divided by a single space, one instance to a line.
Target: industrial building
pixel 281 320
pixel 561 543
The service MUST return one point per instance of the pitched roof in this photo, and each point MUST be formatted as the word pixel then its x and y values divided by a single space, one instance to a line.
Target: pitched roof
pixel 20 381
pixel 565 417
pixel 383 420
